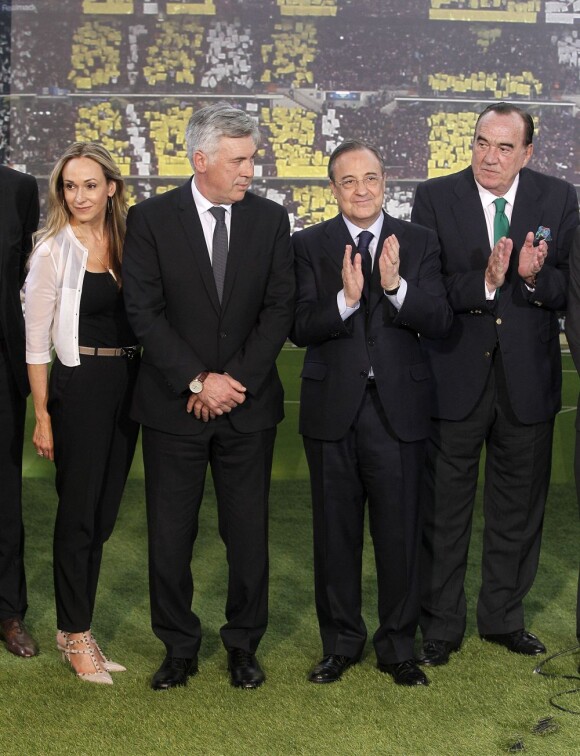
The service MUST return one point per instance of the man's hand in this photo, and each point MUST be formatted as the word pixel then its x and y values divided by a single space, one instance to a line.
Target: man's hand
pixel 531 259
pixel 498 263
pixel 352 277
pixel 220 393
pixel 200 410
pixel 389 263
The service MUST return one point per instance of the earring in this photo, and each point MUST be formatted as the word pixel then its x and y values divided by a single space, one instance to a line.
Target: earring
pixel 109 204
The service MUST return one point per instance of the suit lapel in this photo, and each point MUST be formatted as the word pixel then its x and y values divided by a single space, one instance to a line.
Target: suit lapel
pixel 238 246
pixel 470 219
pixel 527 212
pixel 526 216
pixel 336 238
pixel 191 224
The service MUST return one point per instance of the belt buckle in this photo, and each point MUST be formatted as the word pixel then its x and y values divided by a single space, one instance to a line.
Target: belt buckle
pixel 129 352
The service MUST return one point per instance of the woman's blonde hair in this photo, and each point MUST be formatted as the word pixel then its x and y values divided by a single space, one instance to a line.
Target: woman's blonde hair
pixel 58 215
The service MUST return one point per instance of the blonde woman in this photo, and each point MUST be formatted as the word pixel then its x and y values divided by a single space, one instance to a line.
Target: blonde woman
pixel 74 305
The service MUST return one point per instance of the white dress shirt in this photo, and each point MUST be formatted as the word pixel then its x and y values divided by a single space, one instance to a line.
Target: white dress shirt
pixel 207 220
pixel 376 228
pixel 489 210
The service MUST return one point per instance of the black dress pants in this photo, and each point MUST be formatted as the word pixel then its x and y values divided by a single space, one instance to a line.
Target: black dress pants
pixel 369 463
pixel 517 477
pixel 13 601
pixel 175 470
pixel 94 444
pixel 577 478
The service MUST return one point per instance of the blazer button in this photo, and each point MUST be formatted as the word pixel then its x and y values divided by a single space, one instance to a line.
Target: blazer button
pixel 487 354
pixel 371 342
pixel 364 374
pixel 498 321
pixel 223 335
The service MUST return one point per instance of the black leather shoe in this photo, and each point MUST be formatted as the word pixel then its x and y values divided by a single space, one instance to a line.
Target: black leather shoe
pixel 330 669
pixel 245 672
pixel 436 652
pixel 173 672
pixel 520 642
pixel 405 673
pixel 17 638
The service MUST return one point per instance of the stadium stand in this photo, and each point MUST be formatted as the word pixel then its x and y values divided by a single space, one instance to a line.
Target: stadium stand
pixel 486 10
pixel 307 7
pixel 289 56
pixel 172 58
pixel 95 56
pixel 229 56
pixel 562 11
pixel 130 73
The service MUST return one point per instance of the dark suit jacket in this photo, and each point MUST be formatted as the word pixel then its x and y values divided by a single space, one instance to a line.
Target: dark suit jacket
pixel 573 314
pixel 173 307
pixel 340 353
pixel 524 323
pixel 19 211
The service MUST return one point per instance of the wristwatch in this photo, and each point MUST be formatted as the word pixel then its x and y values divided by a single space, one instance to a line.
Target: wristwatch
pixel 196 385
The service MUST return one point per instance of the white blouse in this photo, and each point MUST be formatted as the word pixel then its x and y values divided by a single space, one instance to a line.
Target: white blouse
pixel 52 299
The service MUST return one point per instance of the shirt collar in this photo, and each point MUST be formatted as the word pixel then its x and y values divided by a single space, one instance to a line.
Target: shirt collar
pixel 375 229
pixel 487 198
pixel 202 203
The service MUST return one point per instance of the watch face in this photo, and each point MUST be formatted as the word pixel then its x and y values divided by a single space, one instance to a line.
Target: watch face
pixel 195 386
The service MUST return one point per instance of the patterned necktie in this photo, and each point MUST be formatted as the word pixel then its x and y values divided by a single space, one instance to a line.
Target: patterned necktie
pixel 501 224
pixel 219 252
pixel 364 240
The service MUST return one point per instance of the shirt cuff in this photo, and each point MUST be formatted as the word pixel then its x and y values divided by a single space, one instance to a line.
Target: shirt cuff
pixel 344 311
pixel 398 299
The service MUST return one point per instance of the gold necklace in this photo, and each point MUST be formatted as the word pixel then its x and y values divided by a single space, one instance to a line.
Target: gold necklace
pixel 83 241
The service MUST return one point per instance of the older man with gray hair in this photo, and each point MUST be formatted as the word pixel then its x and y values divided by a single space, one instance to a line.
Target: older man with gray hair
pixel 209 289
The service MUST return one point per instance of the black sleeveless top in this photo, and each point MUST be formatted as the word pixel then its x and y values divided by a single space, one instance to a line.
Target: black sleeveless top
pixel 103 321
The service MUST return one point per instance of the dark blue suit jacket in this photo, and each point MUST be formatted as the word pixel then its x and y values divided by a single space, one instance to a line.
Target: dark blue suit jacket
pixel 19 211
pixel 173 307
pixel 524 323
pixel 339 354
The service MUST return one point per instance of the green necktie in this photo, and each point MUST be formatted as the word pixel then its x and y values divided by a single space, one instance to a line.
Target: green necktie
pixel 501 224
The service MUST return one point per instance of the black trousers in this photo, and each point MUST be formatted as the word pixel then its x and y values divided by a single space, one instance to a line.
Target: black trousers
pixel 517 476
pixel 370 462
pixel 13 600
pixel 577 478
pixel 175 470
pixel 94 444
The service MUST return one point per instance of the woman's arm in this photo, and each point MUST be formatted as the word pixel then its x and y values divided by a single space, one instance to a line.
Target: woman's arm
pixel 42 436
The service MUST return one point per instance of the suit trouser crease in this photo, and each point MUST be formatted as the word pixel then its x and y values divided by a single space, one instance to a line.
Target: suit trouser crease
pixel 370 462
pixel 517 475
pixel 13 595
pixel 94 442
pixel 175 472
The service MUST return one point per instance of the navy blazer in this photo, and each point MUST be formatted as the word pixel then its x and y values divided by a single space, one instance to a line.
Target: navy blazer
pixel 339 354
pixel 19 212
pixel 524 323
pixel 173 307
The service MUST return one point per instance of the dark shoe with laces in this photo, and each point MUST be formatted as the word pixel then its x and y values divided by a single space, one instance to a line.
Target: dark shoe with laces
pixel 245 672
pixel 174 672
pixel 436 652
pixel 17 638
pixel 405 673
pixel 519 642
pixel 330 669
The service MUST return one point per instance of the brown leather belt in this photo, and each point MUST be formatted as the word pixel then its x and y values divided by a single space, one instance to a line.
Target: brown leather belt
pixel 128 352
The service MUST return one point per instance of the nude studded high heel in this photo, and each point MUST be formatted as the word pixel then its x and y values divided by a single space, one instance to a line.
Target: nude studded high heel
pixel 108 665
pixel 68 648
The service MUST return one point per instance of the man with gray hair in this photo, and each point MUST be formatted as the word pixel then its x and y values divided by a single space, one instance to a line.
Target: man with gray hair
pixel 209 289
